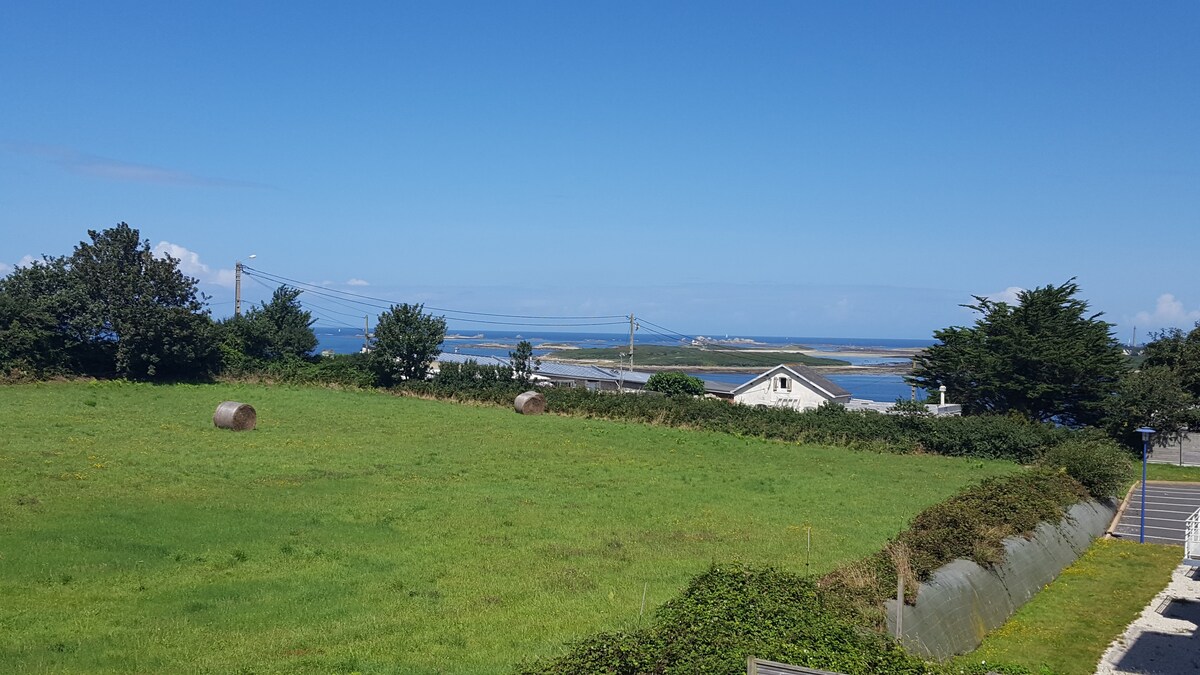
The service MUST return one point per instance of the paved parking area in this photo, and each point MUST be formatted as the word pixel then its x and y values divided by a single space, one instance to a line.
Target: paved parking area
pixel 1167 507
pixel 1184 452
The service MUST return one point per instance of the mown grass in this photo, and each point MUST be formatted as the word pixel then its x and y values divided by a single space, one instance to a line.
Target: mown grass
pixel 1066 627
pixel 1171 472
pixel 357 531
pixel 663 355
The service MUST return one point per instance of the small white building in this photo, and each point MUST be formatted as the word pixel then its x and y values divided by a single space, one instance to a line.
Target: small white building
pixel 787 386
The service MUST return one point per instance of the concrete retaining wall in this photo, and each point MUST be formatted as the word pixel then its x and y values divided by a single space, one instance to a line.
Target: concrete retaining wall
pixel 962 602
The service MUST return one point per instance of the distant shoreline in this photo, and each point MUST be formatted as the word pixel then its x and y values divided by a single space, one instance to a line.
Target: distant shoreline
pixel 871 369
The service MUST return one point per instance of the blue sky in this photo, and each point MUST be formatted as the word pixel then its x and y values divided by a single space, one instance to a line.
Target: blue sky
pixel 791 168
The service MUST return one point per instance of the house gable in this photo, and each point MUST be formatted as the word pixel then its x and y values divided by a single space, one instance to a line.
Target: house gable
pixel 784 378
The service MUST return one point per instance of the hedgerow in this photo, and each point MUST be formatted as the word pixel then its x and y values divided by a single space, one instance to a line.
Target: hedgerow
pixel 988 437
pixel 731 612
pixel 972 525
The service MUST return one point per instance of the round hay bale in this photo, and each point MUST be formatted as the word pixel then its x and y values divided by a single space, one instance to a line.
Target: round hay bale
pixel 530 403
pixel 235 416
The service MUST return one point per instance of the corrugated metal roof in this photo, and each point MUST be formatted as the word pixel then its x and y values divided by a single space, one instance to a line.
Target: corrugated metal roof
pixel 715 387
pixel 554 368
pixel 451 357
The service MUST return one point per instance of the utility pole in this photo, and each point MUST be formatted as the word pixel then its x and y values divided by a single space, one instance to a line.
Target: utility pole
pixel 237 289
pixel 237 286
pixel 366 333
pixel 632 325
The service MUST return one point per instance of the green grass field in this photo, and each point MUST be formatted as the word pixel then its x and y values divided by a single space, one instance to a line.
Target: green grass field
pixel 662 355
pixel 357 531
pixel 1065 628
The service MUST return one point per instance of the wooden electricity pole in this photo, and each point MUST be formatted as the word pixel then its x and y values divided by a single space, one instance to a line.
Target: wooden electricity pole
pixel 632 325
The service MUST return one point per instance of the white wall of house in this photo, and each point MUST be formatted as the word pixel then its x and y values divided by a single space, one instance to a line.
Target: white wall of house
pixel 780 390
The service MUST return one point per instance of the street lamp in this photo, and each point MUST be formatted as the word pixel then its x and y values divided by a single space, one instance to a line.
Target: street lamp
pixel 237 286
pixel 1146 432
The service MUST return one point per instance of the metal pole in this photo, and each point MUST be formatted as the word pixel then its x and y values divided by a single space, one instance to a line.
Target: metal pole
pixel 1145 445
pixel 237 289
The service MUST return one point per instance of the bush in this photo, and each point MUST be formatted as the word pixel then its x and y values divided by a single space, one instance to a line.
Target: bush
pixel 1101 465
pixel 987 436
pixel 731 612
pixel 470 375
pixel 728 614
pixel 675 384
pixel 971 525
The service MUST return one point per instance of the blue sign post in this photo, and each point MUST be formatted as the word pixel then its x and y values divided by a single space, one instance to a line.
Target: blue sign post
pixel 1146 433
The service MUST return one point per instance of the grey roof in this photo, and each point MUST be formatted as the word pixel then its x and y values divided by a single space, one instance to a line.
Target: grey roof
pixel 554 368
pixel 715 387
pixel 451 357
pixel 804 374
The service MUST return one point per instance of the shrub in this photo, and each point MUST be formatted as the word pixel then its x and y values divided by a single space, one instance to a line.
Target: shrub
pixel 1101 465
pixel 675 384
pixel 729 613
pixel 971 525
pixel 988 436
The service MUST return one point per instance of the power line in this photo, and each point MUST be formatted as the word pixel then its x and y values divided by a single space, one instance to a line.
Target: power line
pixel 748 355
pixel 435 309
pixel 469 320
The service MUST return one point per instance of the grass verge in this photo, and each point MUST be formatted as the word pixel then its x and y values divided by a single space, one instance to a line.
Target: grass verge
pixel 1065 628
pixel 357 531
pixel 1187 474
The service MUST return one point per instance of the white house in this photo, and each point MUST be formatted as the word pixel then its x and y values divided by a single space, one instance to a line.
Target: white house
pixel 786 386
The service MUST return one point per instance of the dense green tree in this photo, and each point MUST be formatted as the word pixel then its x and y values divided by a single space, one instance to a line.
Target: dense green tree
pixel 33 339
pixel 279 329
pixel 138 314
pixel 675 384
pixel 111 308
pixel 523 362
pixel 1180 352
pixel 1152 396
pixel 1046 358
pixel 406 342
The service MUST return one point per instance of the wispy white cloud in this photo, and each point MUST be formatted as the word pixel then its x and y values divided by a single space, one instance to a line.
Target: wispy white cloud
pixel 1008 295
pixel 25 261
pixel 357 282
pixel 119 170
pixel 1169 311
pixel 191 265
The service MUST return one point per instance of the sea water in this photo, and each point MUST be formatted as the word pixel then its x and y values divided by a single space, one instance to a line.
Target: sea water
pixel 873 386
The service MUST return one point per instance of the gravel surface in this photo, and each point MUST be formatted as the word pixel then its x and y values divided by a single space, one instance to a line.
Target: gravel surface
pixel 1165 639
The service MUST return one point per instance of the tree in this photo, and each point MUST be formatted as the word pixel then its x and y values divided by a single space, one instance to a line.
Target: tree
pixel 406 342
pixel 675 384
pixel 33 341
pixel 280 329
pixel 1047 358
pixel 111 308
pixel 1152 396
pixel 523 363
pixel 1179 352
pixel 138 314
